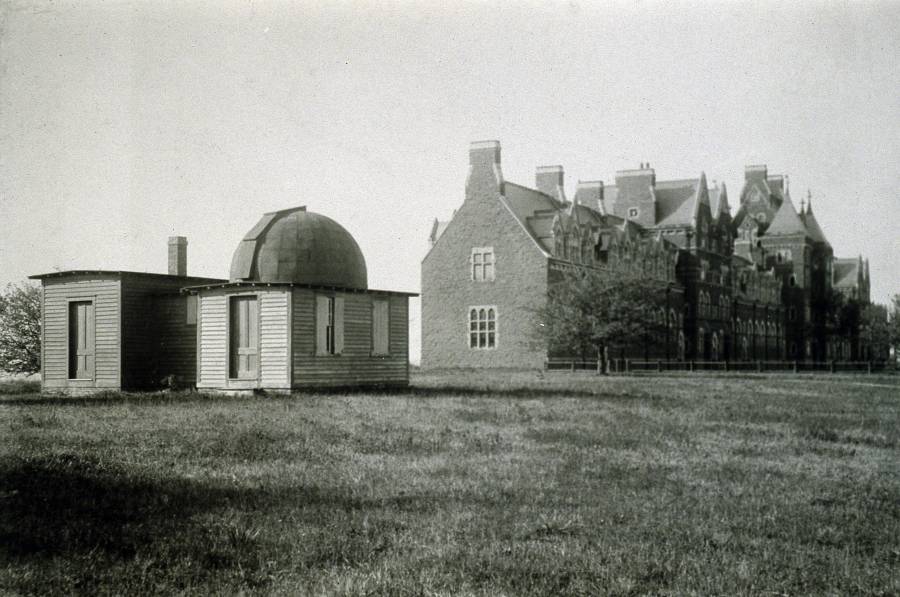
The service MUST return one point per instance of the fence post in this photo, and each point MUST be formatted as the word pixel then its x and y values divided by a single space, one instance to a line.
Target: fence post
pixel 795 366
pixel 759 366
pixel 726 366
pixel 572 365
pixel 870 366
pixel 833 368
pixel 627 366
pixel 658 366
pixel 691 365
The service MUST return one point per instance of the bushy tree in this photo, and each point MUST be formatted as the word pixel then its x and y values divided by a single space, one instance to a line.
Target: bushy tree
pixel 20 329
pixel 589 311
pixel 894 324
pixel 875 328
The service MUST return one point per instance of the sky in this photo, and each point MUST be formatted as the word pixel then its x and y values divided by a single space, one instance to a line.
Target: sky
pixel 122 123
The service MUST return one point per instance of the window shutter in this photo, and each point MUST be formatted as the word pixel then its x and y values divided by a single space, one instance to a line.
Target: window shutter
pixel 321 324
pixel 338 325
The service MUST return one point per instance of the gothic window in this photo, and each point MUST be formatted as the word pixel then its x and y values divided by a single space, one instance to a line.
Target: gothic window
pixel 483 327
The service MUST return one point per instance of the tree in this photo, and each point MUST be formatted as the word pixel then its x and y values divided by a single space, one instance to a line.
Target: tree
pixel 875 329
pixel 590 311
pixel 20 329
pixel 894 325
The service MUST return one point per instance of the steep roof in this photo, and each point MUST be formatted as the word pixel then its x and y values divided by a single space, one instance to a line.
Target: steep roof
pixel 813 228
pixel 786 221
pixel 846 273
pixel 718 200
pixel 676 201
pixel 536 212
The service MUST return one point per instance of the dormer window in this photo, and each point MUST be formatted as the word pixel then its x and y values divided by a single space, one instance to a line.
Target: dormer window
pixel 633 212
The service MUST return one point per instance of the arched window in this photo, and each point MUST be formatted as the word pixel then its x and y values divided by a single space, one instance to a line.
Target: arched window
pixel 701 343
pixel 482 327
pixel 745 349
pixel 715 346
pixel 681 346
pixel 673 319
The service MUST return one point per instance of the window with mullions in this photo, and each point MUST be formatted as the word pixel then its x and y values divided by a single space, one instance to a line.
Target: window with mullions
pixel 482 263
pixel 482 327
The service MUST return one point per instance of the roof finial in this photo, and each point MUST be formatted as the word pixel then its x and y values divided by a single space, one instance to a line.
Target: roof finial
pixel 808 201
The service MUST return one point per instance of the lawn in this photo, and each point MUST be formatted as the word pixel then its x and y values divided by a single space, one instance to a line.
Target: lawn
pixel 468 483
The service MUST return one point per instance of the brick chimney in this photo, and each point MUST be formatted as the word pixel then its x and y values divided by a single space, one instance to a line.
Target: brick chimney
pixel 549 180
pixel 757 172
pixel 590 193
pixel 636 199
pixel 177 256
pixel 485 176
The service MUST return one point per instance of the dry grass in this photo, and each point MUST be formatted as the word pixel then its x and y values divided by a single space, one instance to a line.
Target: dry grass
pixel 469 483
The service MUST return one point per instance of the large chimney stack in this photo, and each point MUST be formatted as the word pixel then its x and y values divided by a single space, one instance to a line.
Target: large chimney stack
pixel 177 256
pixel 549 180
pixel 485 179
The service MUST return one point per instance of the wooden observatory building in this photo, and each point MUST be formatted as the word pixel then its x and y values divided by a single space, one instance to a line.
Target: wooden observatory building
pixel 296 312
pixel 119 330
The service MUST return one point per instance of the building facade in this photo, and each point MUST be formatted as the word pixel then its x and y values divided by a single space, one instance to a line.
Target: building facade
pixel 754 286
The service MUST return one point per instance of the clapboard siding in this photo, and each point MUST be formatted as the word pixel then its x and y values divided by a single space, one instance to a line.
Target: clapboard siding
pixel 274 340
pixel 104 291
pixel 356 365
pixel 213 339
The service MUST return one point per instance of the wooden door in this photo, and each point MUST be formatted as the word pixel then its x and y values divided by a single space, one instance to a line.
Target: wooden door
pixel 81 340
pixel 244 340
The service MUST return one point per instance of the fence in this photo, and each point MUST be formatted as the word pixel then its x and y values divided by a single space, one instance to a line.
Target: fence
pixel 658 366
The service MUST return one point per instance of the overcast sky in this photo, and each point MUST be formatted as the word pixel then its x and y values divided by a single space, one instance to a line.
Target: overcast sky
pixel 122 123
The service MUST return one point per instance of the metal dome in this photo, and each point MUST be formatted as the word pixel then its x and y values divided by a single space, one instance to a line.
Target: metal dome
pixel 295 245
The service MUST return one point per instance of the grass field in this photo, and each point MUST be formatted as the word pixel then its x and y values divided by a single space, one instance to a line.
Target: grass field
pixel 481 484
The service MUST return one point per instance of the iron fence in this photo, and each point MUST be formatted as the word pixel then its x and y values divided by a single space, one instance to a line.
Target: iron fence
pixel 760 366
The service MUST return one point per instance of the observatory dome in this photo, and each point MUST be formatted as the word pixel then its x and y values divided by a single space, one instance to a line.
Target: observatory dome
pixel 295 245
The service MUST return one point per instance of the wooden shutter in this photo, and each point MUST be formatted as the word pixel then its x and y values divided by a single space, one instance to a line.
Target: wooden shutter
pixel 338 325
pixel 380 322
pixel 321 325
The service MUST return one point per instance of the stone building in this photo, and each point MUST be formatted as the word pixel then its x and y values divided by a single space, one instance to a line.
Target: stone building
pixel 296 312
pixel 755 286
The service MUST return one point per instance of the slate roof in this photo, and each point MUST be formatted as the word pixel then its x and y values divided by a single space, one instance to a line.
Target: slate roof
pixel 536 212
pixel 846 273
pixel 786 221
pixel 676 201
pixel 718 200
pixel 813 228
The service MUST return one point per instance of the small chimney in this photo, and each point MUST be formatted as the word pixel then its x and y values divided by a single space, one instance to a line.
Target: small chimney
pixel 177 256
pixel 549 180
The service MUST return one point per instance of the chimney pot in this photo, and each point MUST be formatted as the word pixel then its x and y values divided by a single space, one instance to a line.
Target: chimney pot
pixel 178 256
